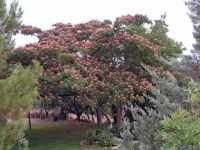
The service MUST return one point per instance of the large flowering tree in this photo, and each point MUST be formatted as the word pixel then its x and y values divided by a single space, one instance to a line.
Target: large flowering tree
pixel 99 61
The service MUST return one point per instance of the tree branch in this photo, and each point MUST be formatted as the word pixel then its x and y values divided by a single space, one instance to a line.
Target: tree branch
pixel 106 115
pixel 95 51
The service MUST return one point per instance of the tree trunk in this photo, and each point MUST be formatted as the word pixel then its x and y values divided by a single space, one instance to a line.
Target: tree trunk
pixel 99 117
pixel 78 117
pixel 29 120
pixel 47 114
pixel 106 115
pixel 93 118
pixel 120 113
pixel 88 117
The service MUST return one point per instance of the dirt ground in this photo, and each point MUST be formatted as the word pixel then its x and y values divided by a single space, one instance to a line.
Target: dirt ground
pixel 70 118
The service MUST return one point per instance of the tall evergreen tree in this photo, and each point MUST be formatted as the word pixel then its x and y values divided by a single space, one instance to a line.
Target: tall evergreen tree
pixel 194 8
pixel 10 21
pixel 18 88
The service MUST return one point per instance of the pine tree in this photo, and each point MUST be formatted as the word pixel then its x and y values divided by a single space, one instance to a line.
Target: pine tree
pixel 168 98
pixel 194 8
pixel 9 23
pixel 16 98
pixel 20 88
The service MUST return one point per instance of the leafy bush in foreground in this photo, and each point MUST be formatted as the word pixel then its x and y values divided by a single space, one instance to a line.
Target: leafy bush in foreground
pixel 103 134
pixel 181 130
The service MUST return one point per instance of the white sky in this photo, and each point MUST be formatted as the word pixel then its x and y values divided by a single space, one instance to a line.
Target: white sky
pixel 43 13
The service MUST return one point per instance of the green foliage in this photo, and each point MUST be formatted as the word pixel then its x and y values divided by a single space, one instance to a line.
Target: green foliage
pixel 182 129
pixel 182 68
pixel 158 35
pixel 167 98
pixel 10 21
pixel 90 135
pixel 16 97
pixel 116 129
pixel 194 14
pixel 193 6
pixel 113 128
pixel 127 139
pixel 105 138
pixel 103 134
pixel 18 87
pixel 22 56
pixel 195 94
pixel 67 58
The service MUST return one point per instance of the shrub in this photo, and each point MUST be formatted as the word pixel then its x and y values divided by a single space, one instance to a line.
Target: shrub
pixel 105 138
pixel 116 128
pixel 90 135
pixel 181 130
pixel 102 134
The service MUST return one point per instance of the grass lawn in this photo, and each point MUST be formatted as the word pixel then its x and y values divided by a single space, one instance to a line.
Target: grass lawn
pixel 65 135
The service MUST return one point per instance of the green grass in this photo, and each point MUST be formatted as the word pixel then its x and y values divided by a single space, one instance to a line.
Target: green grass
pixel 58 136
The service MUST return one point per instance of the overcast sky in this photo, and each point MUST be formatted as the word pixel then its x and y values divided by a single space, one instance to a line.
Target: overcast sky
pixel 43 13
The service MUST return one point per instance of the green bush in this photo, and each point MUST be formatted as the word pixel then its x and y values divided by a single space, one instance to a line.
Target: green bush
pixel 181 130
pixel 105 138
pixel 90 135
pixel 116 129
pixel 104 125
pixel 101 134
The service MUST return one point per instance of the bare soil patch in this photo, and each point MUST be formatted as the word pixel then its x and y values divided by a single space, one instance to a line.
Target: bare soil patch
pixel 71 117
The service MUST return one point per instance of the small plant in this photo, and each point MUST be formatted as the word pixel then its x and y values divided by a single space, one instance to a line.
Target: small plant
pixel 113 128
pixel 104 125
pixel 116 129
pixel 102 134
pixel 105 138
pixel 23 144
pixel 90 136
